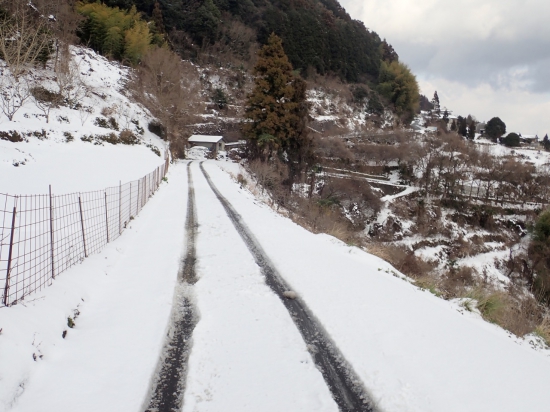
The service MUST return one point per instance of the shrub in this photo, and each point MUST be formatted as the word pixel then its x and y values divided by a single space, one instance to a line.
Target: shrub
pixel 154 149
pixel 511 140
pixel 541 230
pixel 128 137
pixel 157 128
pixel 11 136
pixel 219 97
pixel 109 123
pixel 68 137
pixel 543 330
pixel 44 95
pixel 495 128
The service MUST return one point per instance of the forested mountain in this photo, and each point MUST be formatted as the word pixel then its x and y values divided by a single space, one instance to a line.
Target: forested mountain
pixel 317 34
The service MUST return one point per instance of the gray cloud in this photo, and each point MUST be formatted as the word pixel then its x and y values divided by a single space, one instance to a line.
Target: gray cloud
pixel 495 51
pixel 472 41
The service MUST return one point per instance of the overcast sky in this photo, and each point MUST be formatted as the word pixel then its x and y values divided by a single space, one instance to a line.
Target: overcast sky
pixel 484 57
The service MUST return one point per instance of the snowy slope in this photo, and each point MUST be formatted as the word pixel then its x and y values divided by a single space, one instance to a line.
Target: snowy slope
pixel 415 352
pixel 46 158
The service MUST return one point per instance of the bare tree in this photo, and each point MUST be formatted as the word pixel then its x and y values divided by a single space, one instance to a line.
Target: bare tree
pixel 69 81
pixel 25 35
pixel 25 39
pixel 169 88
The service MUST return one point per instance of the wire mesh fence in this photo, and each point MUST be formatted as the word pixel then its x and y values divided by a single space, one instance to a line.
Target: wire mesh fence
pixel 41 236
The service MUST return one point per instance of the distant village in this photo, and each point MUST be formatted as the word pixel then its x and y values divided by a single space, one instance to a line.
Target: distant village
pixel 433 119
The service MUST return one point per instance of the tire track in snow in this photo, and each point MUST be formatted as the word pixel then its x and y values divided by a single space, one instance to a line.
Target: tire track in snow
pixel 344 384
pixel 169 383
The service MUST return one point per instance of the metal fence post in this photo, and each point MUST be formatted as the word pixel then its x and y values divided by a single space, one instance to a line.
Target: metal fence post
pixel 82 224
pixel 137 200
pixel 7 287
pixel 119 207
pixel 106 218
pixel 51 234
pixel 130 202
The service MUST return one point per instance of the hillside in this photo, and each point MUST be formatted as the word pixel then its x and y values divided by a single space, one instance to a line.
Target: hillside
pixel 76 149
pixel 318 35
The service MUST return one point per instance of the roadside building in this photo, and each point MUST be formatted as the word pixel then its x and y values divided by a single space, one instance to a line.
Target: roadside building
pixel 215 144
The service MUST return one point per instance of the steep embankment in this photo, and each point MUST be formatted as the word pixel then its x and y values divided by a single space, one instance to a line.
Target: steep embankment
pixel 99 139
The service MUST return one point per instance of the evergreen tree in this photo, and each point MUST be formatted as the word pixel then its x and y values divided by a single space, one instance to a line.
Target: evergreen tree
pixel 277 111
pixel 453 126
pixel 435 103
pixel 512 140
pixel 399 86
pixel 446 116
pixel 546 143
pixel 472 129
pixel 462 126
pixel 495 128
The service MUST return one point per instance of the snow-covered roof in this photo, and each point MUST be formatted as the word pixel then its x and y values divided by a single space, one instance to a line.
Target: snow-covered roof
pixel 239 143
pixel 201 138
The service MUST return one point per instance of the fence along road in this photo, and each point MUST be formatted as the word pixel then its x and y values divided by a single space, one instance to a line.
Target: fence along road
pixel 41 236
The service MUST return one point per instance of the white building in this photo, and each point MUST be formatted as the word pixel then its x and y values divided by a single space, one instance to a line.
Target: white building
pixel 213 143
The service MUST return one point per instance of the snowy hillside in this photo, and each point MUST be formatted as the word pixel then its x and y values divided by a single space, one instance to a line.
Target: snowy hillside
pixel 72 151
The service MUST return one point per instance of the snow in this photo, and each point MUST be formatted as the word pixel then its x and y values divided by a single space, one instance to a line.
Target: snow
pixel 124 296
pixel 29 167
pixel 70 167
pixel 247 354
pixel 415 352
pixel 199 138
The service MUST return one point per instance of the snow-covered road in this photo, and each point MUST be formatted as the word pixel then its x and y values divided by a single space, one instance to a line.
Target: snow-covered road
pixel 413 352
pixel 247 354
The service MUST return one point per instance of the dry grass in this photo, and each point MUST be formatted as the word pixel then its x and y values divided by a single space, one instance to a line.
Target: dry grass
pixel 402 259
pixel 519 315
pixel 430 283
pixel 543 329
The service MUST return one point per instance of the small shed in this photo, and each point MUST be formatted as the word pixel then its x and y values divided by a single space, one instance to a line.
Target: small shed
pixel 213 143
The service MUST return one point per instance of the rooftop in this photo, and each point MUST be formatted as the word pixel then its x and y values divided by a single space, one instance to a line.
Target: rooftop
pixel 200 138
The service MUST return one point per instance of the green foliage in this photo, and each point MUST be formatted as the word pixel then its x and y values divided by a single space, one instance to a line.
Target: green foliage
pixel 219 98
pixel 512 140
pixel 399 86
pixel 375 106
pixel 541 230
pixel 462 126
pixel 539 257
pixel 318 34
pixel 495 128
pixel 277 109
pixel 113 32
pixel 360 94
